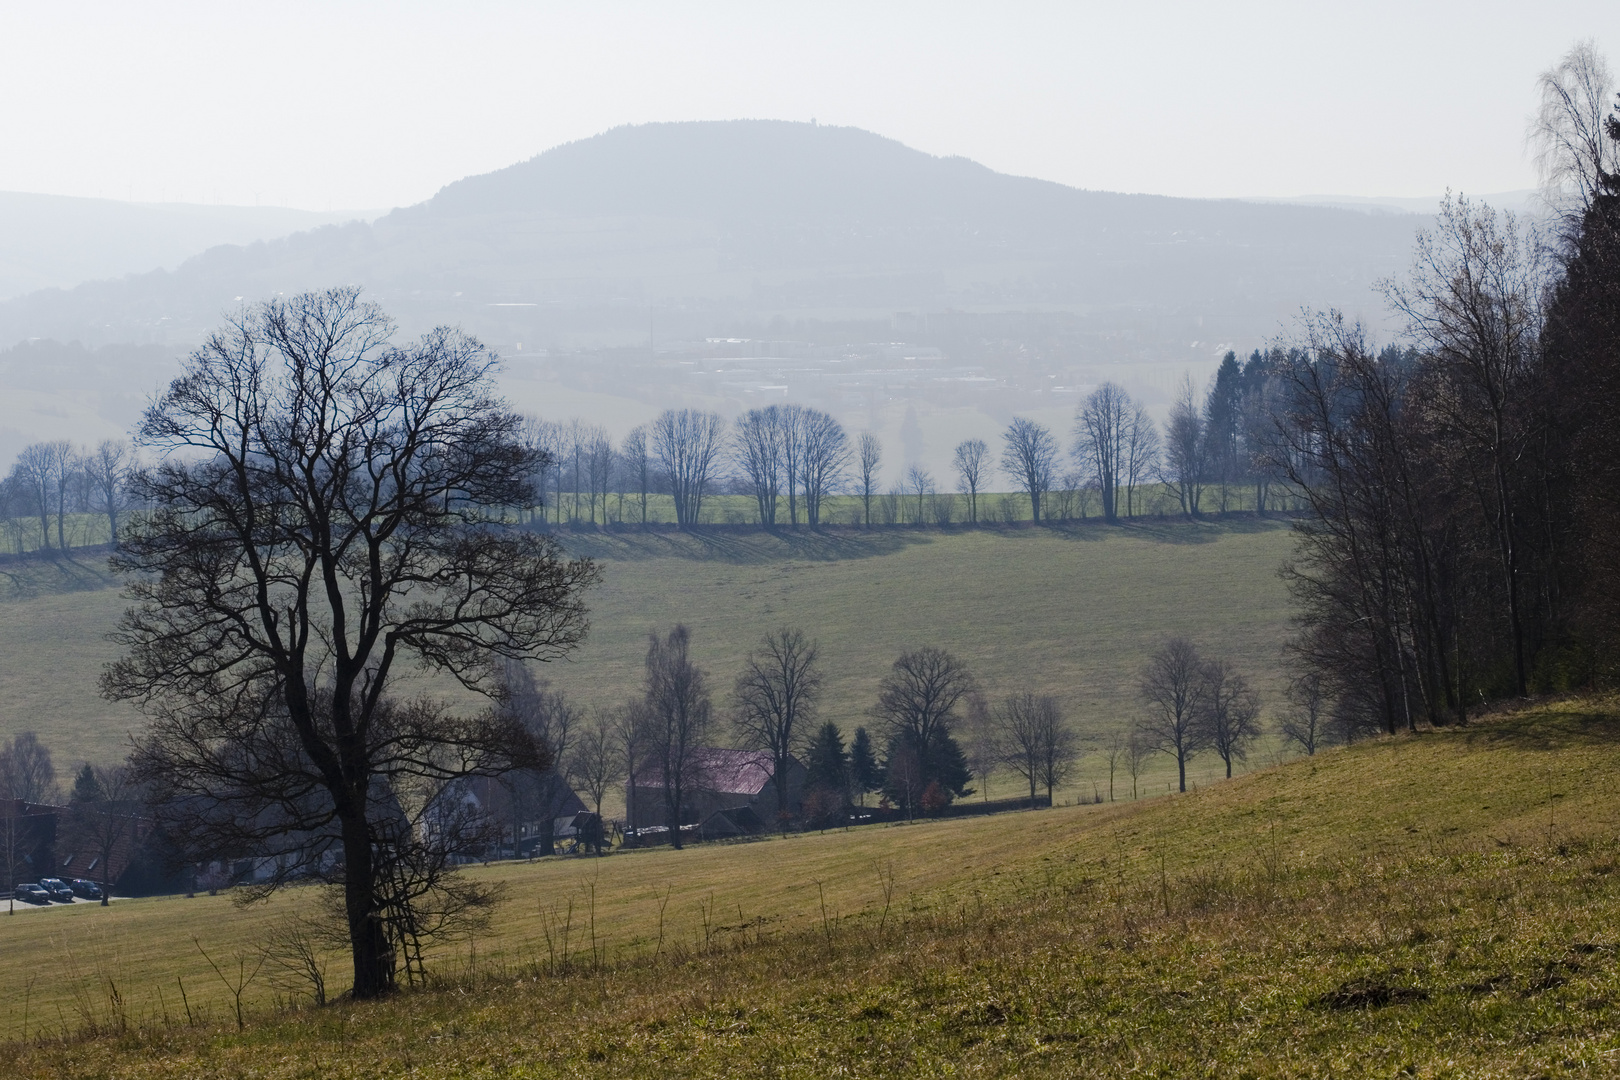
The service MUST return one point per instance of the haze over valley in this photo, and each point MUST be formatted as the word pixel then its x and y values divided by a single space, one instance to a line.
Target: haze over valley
pixel 725 264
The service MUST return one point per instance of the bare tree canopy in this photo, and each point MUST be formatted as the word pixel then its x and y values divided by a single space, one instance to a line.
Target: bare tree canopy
pixel 918 697
pixel 678 718
pixel 1030 457
pixel 1473 304
pixel 1101 429
pixel 1183 462
pixel 26 771
pixel 537 794
pixel 1305 724
pixel 869 456
pixel 759 451
pixel 1035 741
pixel 632 739
pixel 330 504
pixel 1172 688
pixel 823 457
pixel 687 444
pixel 1229 712
pixel 106 471
pixel 44 472
pixel 103 816
pixel 596 763
pixel 1141 453
pixel 973 469
pixel 1569 132
pixel 775 697
pixel 919 486
pixel 636 468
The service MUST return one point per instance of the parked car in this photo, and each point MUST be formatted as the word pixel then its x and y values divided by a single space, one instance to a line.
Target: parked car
pixel 85 889
pixel 31 894
pixel 60 890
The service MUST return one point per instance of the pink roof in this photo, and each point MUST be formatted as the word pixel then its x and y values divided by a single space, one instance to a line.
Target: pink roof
pixel 732 772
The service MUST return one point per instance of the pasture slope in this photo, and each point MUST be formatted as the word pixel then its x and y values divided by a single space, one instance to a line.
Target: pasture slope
pixel 1442 904
pixel 1071 611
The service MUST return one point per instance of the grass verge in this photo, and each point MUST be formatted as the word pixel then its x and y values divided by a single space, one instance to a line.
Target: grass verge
pixel 1440 905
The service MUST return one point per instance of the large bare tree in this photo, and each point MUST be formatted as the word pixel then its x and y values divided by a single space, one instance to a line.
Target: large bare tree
pixel 44 472
pixel 869 456
pixel 596 762
pixel 1228 711
pixel 972 463
pixel 1100 429
pixel 632 740
pixel 1172 688
pixel 26 770
pixel 790 420
pixel 1306 723
pixel 1183 465
pixel 636 466
pixel 758 449
pixel 1570 133
pixel 1036 742
pixel 1141 458
pixel 679 716
pixel 917 704
pixel 329 505
pixel 107 820
pixel 537 794
pixel 823 457
pixel 775 697
pixel 1029 456
pixel 919 485
pixel 687 444
pixel 1018 721
pixel 106 471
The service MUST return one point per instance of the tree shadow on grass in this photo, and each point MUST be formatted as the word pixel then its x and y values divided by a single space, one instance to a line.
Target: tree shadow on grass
pixel 1548 729
pixel 744 545
pixel 1170 530
pixel 30 576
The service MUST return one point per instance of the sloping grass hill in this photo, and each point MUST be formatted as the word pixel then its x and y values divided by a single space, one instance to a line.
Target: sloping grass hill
pixel 1444 904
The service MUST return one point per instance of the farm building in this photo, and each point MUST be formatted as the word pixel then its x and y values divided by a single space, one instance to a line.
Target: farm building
pixel 116 843
pixel 720 780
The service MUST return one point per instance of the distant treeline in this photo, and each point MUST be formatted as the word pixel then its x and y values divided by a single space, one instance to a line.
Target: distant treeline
pixel 788 465
pixel 59 496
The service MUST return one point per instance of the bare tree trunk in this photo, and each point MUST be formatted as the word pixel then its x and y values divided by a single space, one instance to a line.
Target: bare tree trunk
pixel 368 940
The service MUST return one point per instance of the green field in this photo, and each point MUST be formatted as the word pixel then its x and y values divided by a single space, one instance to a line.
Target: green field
pixel 1072 611
pixel 1434 905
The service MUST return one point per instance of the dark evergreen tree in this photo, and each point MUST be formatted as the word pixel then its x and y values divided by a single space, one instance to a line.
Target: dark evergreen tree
pixel 1259 395
pixel 910 767
pixel 827 762
pixel 1223 426
pixel 864 772
pixel 86 788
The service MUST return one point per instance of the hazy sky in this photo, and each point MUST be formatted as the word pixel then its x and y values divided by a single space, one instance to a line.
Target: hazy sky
pixel 360 105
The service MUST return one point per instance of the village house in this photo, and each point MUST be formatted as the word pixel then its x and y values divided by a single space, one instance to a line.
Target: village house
pixel 722 781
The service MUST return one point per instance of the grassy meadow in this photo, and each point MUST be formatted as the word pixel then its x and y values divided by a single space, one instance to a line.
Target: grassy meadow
pixel 1072 611
pixel 1441 904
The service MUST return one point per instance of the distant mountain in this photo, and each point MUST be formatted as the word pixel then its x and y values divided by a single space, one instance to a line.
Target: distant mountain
pixel 698 226
pixel 56 241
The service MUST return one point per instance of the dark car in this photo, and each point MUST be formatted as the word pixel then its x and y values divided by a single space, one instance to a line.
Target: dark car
pixel 31 894
pixel 85 889
pixel 60 891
